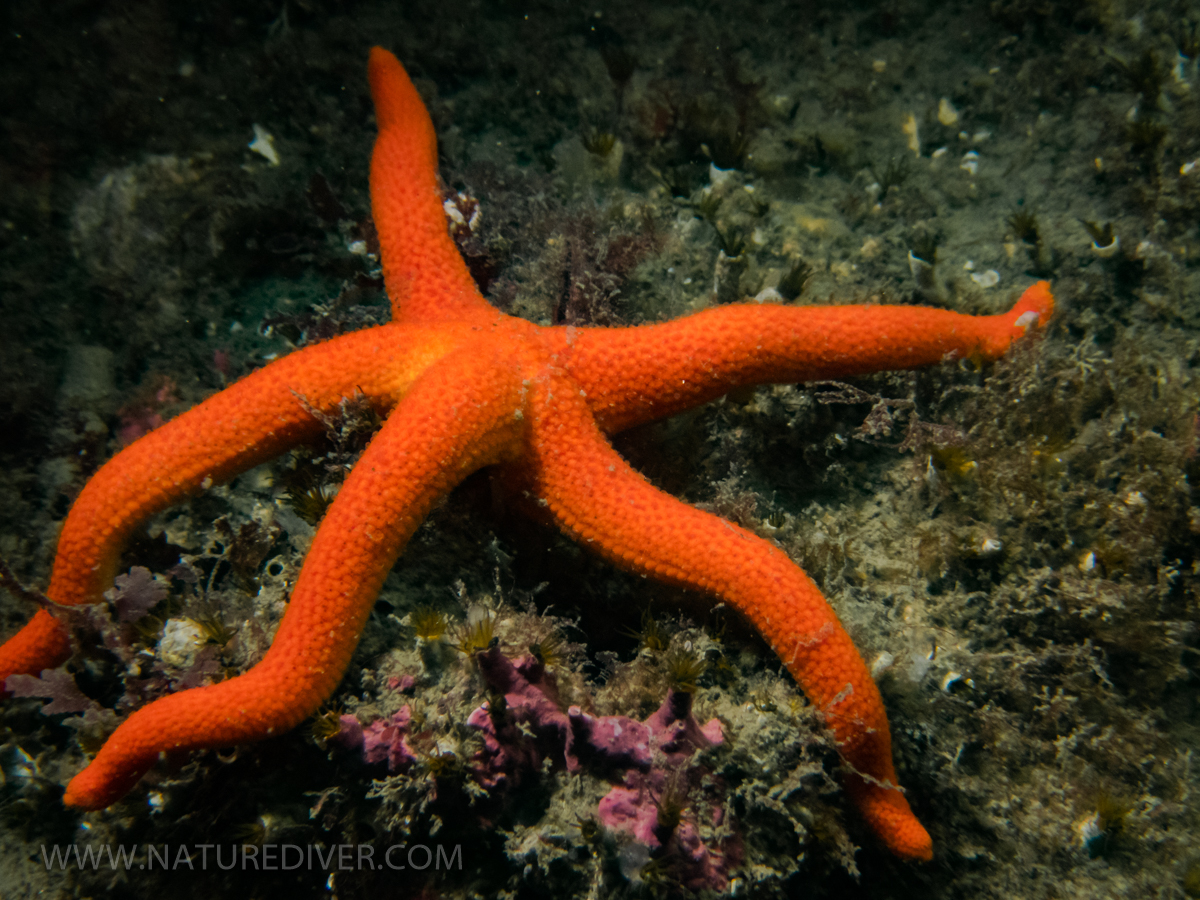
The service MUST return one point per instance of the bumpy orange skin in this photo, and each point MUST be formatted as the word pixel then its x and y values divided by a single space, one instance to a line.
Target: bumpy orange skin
pixel 463 386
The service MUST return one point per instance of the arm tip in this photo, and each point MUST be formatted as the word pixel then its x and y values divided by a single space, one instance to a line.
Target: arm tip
pixel 1034 308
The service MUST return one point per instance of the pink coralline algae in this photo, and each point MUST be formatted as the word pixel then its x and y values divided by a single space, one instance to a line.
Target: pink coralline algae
pixel 654 799
pixel 144 415
pixel 384 740
pixel 641 805
pixel 525 728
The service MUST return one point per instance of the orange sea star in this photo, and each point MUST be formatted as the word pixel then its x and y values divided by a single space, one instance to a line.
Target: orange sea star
pixel 462 386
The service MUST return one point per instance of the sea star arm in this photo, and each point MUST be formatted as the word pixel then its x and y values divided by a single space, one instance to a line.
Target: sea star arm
pixel 635 375
pixel 250 422
pixel 597 498
pixel 457 418
pixel 425 276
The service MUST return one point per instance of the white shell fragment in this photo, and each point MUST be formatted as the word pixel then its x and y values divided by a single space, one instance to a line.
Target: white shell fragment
pixel 181 640
pixel 264 145
pixel 970 162
pixel 987 279
pixel 769 295
pixel 453 213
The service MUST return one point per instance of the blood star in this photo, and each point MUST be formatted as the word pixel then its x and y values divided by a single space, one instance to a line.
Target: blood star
pixel 461 386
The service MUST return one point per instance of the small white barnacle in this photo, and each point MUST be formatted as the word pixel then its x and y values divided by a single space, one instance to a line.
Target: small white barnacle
pixel 264 145
pixel 949 680
pixel 922 272
pixel 1108 250
pixel 1089 831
